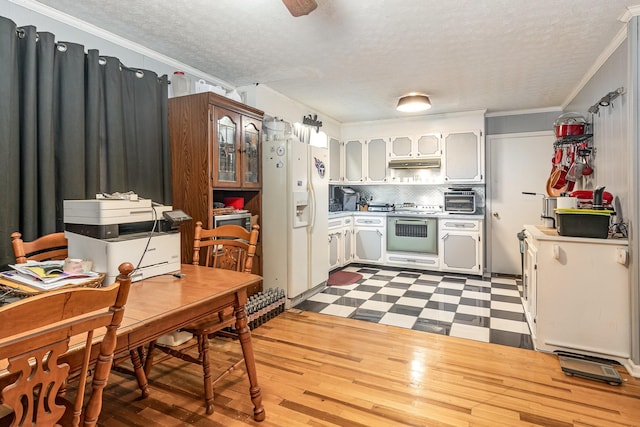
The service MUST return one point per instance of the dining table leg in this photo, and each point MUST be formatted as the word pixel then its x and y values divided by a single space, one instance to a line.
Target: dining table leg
pixel 244 335
pixel 138 369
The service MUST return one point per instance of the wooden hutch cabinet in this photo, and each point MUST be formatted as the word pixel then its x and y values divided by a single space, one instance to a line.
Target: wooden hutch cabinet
pixel 215 153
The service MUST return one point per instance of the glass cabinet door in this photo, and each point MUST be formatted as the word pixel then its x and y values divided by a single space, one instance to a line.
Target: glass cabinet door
pixel 250 152
pixel 226 152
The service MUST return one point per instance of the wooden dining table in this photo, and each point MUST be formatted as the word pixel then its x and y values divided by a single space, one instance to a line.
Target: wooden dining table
pixel 163 304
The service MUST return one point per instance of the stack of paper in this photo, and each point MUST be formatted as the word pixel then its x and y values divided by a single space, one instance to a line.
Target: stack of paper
pixel 45 275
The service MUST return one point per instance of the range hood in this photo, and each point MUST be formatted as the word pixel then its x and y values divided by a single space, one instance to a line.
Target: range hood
pixel 418 163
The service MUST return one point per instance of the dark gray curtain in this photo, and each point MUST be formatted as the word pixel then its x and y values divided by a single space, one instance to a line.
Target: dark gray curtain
pixel 73 124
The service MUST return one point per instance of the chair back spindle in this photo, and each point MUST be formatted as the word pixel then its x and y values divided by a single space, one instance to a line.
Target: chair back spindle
pixel 230 247
pixel 48 247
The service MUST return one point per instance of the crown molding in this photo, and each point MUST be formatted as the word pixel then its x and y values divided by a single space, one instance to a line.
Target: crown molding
pixel 522 112
pixel 602 58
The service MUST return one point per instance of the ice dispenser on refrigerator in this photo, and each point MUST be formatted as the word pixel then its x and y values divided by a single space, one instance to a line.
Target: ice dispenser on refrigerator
pixel 300 209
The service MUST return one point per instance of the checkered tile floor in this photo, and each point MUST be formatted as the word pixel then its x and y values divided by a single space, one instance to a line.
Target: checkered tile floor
pixel 455 305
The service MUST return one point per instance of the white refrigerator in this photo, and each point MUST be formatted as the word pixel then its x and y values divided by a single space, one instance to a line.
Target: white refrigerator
pixel 295 206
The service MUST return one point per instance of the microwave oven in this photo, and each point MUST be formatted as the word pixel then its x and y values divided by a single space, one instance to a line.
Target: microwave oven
pixel 463 202
pixel 241 219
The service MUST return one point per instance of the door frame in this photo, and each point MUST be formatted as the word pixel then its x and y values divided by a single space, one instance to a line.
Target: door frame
pixel 488 241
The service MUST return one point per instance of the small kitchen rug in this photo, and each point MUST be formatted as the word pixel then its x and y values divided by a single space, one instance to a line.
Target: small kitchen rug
pixel 341 278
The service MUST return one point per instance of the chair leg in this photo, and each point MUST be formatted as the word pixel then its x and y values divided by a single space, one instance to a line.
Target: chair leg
pixel 203 349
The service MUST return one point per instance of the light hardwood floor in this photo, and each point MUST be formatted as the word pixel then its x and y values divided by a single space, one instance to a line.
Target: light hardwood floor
pixel 318 370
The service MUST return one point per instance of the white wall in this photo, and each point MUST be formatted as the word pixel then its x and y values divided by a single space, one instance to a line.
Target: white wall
pixel 277 105
pixel 416 125
pixel 610 125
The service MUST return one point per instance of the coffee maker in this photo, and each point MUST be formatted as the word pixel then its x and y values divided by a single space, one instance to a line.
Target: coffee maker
pixel 347 198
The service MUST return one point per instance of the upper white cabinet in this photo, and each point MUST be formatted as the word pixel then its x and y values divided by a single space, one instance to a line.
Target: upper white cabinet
pixel 354 160
pixel 336 164
pixel 365 160
pixel 426 145
pixel 452 157
pixel 376 154
pixel 463 156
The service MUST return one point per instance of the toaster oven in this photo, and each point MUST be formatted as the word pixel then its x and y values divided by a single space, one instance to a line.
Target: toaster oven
pixel 460 201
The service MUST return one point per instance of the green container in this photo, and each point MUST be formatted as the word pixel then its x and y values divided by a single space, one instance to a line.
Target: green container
pixel 583 223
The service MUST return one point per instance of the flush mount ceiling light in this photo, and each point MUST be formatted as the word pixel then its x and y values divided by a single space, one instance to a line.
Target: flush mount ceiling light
pixel 414 102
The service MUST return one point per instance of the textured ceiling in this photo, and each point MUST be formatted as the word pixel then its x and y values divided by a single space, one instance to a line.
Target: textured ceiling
pixel 352 59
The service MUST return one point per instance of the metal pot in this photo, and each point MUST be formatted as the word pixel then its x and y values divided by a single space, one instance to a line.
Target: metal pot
pixel 569 124
pixel 548 213
pixel 549 205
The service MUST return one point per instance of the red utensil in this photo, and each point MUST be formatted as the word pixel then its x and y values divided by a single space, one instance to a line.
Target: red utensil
pixel 558 157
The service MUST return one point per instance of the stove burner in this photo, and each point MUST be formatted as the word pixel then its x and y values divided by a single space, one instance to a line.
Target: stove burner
pixel 412 208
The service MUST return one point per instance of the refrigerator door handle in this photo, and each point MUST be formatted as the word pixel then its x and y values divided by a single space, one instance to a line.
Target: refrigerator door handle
pixel 312 207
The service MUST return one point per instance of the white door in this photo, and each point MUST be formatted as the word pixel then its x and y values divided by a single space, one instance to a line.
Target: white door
pixel 275 174
pixel 518 162
pixel 298 248
pixel 319 223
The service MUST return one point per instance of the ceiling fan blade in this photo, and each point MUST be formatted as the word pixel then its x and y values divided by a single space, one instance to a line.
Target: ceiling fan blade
pixel 300 7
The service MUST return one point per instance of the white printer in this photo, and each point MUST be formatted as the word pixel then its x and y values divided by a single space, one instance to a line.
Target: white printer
pixel 112 231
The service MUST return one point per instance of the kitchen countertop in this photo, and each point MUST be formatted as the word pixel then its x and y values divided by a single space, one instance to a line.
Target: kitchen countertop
pixel 476 216
pixel 546 233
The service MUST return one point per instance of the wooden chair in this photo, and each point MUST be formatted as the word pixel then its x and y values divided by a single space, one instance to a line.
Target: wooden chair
pixel 34 336
pixel 48 247
pixel 230 247
pixel 54 247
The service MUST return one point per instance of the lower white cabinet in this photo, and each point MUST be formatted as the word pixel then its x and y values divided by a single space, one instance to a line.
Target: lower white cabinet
pixel 340 242
pixel 335 248
pixel 460 245
pixel 347 240
pixel 530 284
pixel 362 238
pixel 422 262
pixel 369 238
pixel 578 298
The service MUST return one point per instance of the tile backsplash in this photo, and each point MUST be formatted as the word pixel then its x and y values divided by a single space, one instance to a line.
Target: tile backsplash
pixel 410 193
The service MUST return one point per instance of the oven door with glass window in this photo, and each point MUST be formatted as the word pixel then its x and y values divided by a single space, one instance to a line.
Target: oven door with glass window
pixel 412 234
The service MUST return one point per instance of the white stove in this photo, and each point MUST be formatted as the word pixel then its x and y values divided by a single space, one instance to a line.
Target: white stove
pixel 417 210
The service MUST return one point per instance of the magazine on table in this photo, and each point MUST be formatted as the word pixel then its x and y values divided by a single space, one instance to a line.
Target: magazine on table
pixel 45 274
